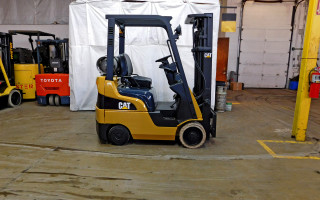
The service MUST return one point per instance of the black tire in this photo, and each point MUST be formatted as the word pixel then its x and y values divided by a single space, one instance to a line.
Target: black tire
pixel 14 98
pixel 118 135
pixel 51 100
pixel 57 100
pixel 192 135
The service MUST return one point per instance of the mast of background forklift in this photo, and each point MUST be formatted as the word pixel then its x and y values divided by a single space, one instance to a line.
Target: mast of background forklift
pixel 38 53
pixel 308 62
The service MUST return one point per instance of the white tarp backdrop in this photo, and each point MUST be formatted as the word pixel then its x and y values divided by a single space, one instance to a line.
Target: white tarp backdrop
pixel 88 42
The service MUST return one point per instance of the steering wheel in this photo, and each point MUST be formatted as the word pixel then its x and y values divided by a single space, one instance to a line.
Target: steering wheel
pixel 164 59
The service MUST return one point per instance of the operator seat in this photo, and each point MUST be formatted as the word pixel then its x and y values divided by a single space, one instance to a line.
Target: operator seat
pixel 127 76
pixel 134 85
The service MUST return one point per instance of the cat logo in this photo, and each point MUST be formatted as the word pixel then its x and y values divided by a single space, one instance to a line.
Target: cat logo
pixel 124 105
pixel 207 55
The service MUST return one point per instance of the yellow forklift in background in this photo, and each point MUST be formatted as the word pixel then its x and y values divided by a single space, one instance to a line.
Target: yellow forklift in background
pixel 25 61
pixel 7 88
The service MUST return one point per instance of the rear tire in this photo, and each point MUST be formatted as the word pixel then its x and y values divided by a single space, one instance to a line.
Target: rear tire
pixel 14 98
pixel 192 135
pixel 51 100
pixel 119 135
pixel 57 100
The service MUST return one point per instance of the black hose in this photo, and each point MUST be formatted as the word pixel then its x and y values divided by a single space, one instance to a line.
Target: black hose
pixel 196 63
pixel 204 79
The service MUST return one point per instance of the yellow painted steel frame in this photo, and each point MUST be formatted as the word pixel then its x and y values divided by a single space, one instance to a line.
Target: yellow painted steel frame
pixel 309 55
pixel 137 121
pixel 9 87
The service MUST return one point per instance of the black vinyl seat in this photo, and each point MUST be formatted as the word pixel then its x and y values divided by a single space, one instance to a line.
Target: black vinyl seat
pixel 127 76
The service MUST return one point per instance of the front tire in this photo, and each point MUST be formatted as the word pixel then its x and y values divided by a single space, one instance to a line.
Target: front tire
pixel 192 135
pixel 119 135
pixel 14 98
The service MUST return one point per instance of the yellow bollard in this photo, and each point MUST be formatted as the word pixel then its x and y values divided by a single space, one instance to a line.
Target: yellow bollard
pixel 308 62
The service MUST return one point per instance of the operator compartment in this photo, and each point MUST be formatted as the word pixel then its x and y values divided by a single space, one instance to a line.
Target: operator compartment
pixel 140 87
pixel 133 85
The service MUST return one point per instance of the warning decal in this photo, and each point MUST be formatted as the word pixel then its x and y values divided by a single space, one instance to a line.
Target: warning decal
pixel 318 9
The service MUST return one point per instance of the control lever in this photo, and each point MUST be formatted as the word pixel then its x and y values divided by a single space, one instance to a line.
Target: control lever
pixel 175 98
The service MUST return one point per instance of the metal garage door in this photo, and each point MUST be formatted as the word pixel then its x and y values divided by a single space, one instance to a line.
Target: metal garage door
pixel 265 44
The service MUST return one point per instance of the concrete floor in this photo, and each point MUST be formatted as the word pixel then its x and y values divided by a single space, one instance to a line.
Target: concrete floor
pixel 52 153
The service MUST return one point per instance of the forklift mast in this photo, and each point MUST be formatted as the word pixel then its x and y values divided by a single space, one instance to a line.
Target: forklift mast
pixel 6 49
pixel 202 53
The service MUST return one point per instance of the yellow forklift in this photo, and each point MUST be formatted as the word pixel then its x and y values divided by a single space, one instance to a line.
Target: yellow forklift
pixel 126 104
pixel 7 88
pixel 28 63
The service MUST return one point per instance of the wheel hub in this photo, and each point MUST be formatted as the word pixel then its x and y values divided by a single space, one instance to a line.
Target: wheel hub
pixel 192 136
pixel 15 98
